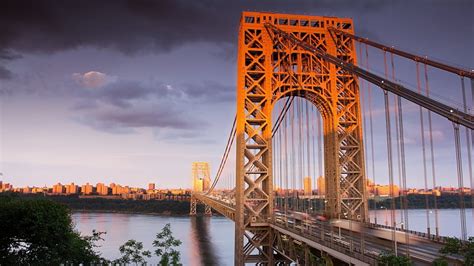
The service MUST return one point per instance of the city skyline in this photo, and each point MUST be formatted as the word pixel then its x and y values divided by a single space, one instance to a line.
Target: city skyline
pixel 119 109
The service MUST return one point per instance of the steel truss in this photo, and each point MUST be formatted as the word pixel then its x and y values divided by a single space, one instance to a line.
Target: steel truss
pixel 270 68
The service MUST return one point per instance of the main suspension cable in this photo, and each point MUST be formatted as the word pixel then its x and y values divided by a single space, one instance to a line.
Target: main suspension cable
pixel 230 141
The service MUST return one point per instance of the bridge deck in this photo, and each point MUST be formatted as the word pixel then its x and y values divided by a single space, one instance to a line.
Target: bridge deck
pixel 343 239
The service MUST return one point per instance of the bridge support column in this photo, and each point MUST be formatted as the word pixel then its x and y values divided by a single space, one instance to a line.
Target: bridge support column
pixel 192 210
pixel 207 210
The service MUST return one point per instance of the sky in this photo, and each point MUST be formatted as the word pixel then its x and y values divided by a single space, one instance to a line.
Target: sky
pixel 133 92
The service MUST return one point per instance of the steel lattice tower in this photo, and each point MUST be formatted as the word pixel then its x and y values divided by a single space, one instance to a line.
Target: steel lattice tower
pixel 270 68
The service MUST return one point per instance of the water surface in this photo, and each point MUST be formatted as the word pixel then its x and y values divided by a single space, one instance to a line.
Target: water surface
pixel 210 240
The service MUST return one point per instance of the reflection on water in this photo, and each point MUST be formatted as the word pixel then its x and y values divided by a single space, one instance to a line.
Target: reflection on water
pixel 201 242
pixel 210 240
pixel 206 240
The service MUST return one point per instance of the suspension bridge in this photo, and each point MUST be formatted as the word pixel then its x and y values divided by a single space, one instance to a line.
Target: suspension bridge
pixel 305 109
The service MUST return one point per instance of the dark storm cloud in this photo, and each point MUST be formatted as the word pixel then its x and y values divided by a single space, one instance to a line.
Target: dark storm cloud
pixel 124 93
pixel 129 26
pixel 121 106
pixel 5 74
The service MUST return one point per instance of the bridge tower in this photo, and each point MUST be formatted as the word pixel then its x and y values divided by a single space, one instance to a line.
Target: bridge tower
pixel 201 182
pixel 270 68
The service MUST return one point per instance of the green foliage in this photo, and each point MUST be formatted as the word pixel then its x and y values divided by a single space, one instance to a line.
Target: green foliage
pixel 455 246
pixel 40 231
pixel 415 201
pixel 165 207
pixel 132 252
pixel 165 243
pixel 389 259
pixel 440 262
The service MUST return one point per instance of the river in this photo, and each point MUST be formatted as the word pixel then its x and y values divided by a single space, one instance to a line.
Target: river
pixel 210 241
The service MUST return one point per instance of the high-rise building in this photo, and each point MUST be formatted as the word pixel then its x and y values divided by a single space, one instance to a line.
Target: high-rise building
pixel 201 176
pixel 59 188
pixel 151 186
pixel 87 189
pixel 321 186
pixel 72 189
pixel 307 186
pixel 102 189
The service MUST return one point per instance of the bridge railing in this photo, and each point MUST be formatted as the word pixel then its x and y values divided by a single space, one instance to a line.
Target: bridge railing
pixel 440 239
pixel 328 241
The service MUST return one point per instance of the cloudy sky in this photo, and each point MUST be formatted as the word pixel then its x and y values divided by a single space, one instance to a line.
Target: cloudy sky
pixel 134 91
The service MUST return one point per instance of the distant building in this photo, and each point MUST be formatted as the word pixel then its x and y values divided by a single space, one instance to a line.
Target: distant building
pixel 321 186
pixel 59 189
pixel 307 186
pixel 384 190
pixel 72 189
pixel 151 186
pixel 102 189
pixel 87 189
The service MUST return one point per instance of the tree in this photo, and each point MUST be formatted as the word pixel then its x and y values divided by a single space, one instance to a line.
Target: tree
pixel 455 246
pixel 165 243
pixel 40 232
pixel 440 262
pixel 133 252
pixel 390 259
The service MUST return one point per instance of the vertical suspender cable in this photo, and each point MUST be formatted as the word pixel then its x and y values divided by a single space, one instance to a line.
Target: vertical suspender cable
pixel 293 162
pixel 422 129
pixel 397 137
pixel 369 90
pixel 301 148
pixel 390 160
pixel 313 136
pixel 285 127
pixel 472 146
pixel 404 175
pixel 401 162
pixel 364 128
pixel 433 170
pixel 462 210
pixel 468 139
pixel 308 143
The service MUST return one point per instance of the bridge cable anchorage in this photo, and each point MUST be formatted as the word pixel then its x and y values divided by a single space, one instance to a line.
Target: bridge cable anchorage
pixel 462 210
pixel 390 159
pixel 417 58
pixel 422 132
pixel 433 169
pixel 230 141
pixel 442 109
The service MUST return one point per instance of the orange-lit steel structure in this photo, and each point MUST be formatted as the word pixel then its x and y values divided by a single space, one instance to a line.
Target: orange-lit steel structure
pixel 270 68
pixel 312 57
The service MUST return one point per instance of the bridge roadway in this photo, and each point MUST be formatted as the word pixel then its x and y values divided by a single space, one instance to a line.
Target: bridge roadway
pixel 342 239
